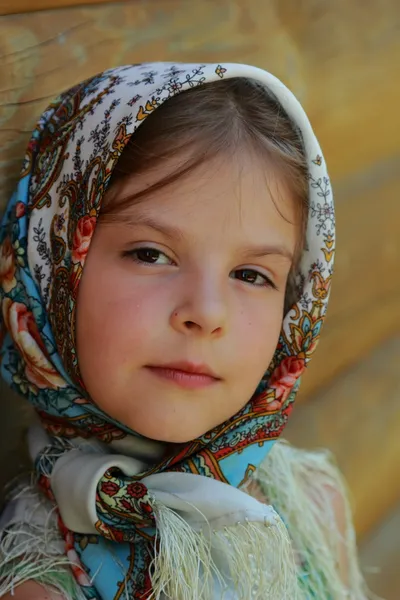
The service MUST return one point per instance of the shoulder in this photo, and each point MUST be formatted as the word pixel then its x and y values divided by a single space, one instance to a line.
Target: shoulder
pixel 308 482
pixel 31 590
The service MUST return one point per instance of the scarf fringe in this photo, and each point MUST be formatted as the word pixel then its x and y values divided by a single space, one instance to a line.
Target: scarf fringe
pixel 258 561
pixel 33 550
pixel 308 491
pixel 298 483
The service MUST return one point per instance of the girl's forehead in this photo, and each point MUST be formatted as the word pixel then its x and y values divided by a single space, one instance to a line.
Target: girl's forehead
pixel 240 189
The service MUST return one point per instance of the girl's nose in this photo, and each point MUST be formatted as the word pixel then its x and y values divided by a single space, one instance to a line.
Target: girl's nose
pixel 203 311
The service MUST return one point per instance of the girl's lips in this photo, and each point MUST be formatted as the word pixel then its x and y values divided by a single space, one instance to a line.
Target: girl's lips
pixel 186 376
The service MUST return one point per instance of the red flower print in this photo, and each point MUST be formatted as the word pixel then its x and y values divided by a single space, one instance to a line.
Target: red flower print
pixel 280 385
pixel 82 236
pixel 146 508
pixel 74 278
pixel 117 536
pixel 285 376
pixel 19 209
pixel 110 488
pixel 44 485
pixel 23 329
pixel 7 266
pixel 136 490
pixel 127 504
pixel 265 402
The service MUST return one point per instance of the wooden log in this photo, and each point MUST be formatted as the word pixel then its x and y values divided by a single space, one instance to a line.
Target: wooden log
pixel 341 60
pixel 379 554
pixel 16 415
pixel 365 302
pixel 358 418
pixel 12 7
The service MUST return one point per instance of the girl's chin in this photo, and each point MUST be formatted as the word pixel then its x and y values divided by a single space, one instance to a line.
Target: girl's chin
pixel 172 436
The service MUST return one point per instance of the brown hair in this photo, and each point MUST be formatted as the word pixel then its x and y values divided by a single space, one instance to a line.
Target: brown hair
pixel 211 119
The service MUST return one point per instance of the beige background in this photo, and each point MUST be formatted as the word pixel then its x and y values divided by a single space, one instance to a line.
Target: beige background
pixel 342 59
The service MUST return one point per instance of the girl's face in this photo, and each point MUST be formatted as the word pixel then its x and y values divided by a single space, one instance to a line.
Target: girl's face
pixel 181 300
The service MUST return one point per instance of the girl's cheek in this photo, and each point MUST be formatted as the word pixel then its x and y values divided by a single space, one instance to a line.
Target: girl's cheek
pixel 137 315
pixel 261 327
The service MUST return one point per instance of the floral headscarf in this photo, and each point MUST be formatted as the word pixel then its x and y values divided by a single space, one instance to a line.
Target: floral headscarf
pixel 44 239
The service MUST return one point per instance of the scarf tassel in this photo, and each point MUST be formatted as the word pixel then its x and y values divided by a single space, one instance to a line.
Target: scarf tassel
pixel 27 552
pixel 255 559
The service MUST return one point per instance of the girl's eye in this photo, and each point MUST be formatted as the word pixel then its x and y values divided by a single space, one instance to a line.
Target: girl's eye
pixel 149 256
pixel 253 278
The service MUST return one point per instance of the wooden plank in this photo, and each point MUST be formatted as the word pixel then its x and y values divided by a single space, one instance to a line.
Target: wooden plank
pixel 341 79
pixel 340 58
pixel 358 418
pixel 12 7
pixel 379 554
pixel 365 302
pixel 16 414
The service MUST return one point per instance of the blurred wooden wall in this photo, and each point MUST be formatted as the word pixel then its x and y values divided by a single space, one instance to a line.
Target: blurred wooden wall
pixel 342 59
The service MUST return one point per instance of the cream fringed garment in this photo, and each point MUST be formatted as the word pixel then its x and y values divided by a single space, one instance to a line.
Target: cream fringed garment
pixel 305 488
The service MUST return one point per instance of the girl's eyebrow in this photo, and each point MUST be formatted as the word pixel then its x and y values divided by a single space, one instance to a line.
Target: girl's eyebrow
pixel 140 218
pixel 268 250
pixel 174 233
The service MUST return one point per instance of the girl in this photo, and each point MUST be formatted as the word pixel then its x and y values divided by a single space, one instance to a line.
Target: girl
pixel 165 269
